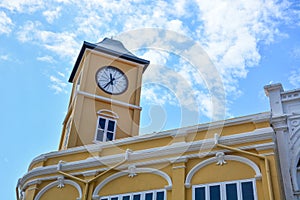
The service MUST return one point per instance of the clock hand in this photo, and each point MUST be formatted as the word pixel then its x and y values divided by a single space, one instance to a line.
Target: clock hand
pixel 111 82
pixel 111 79
pixel 107 84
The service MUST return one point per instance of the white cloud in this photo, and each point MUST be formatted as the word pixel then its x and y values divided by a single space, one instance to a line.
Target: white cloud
pixel 46 59
pixel 22 5
pixel 181 85
pixel 295 53
pixel 158 94
pixel 57 85
pixel 61 43
pixel 294 78
pixel 230 33
pixel 4 57
pixel 61 74
pixel 51 15
pixel 5 23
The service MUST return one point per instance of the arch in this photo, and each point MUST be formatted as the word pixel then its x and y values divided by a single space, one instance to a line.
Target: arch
pixel 215 160
pixel 59 183
pixel 129 172
pixel 108 113
pixel 294 163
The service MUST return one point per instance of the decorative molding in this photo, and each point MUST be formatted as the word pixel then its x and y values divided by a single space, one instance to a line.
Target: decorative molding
pixel 220 158
pixel 109 100
pixel 108 113
pixel 279 123
pixel 152 154
pixel 290 95
pixel 267 146
pixel 179 167
pixel 179 160
pixel 90 173
pixel 37 182
pixel 131 171
pixel 215 159
pixel 57 184
pixel 294 169
pixel 61 182
pixel 126 172
pixel 267 154
pixel 294 128
pixel 169 133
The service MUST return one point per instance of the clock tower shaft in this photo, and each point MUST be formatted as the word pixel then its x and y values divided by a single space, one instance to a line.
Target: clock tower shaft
pixel 105 99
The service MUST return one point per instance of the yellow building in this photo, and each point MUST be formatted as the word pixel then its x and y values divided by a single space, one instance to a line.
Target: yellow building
pixel 101 155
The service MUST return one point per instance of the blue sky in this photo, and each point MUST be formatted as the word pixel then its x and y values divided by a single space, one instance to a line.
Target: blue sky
pixel 249 43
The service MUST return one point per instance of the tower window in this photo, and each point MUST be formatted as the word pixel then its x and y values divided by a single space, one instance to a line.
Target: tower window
pixel 106 129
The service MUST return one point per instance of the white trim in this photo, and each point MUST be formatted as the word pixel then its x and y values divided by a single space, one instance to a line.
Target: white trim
pixel 105 129
pixel 294 170
pixel 38 181
pixel 56 183
pixel 104 112
pixel 126 172
pixel 170 133
pixel 151 154
pixel 109 100
pixel 223 188
pixel 131 194
pixel 215 159
pixel 252 136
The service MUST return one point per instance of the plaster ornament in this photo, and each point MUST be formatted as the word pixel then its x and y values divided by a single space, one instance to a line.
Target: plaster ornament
pixel 131 171
pixel 220 158
pixel 60 182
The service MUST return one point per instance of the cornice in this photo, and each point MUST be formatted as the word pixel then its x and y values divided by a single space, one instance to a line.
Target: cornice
pixel 27 180
pixel 158 155
pixel 279 122
pixel 142 138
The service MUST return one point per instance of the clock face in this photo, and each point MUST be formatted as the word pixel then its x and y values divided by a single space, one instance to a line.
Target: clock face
pixel 111 80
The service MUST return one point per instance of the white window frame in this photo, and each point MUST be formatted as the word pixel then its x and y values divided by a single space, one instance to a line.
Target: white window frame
pixel 223 188
pixel 105 130
pixel 143 195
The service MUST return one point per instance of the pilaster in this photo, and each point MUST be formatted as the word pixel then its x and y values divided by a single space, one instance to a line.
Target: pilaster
pixel 178 178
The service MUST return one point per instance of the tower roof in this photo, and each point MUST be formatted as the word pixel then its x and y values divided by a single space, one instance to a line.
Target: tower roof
pixel 108 46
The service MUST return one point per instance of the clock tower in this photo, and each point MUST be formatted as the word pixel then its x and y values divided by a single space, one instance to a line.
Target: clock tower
pixel 105 100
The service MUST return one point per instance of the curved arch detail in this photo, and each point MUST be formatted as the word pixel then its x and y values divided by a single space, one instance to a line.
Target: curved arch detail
pixel 56 184
pixel 215 160
pixel 108 113
pixel 126 172
pixel 293 169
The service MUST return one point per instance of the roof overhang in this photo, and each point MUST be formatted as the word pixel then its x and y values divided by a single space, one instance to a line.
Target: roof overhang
pixel 97 47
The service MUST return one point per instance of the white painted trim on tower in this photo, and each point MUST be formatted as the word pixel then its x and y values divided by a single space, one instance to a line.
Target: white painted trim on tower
pixel 109 100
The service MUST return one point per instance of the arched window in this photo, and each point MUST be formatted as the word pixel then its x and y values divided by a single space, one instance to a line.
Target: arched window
pixel 106 125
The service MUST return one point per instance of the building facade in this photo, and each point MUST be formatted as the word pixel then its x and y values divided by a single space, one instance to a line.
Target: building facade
pixel 101 156
pixel 285 119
